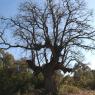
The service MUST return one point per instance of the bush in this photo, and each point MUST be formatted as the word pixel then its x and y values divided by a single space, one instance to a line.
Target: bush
pixel 10 84
pixel 67 89
pixel 38 81
pixel 90 84
pixel 85 84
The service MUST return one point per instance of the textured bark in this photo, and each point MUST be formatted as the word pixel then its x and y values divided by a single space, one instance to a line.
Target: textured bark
pixel 49 82
pixel 50 85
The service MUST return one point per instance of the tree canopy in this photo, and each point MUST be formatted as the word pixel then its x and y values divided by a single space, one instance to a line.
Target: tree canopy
pixel 53 30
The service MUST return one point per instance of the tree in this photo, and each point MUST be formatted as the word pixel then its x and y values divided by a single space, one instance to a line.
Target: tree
pixel 83 76
pixel 6 59
pixel 55 32
pixel 82 72
pixel 2 53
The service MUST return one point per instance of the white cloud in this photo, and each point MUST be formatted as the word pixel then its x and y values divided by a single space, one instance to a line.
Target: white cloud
pixel 92 64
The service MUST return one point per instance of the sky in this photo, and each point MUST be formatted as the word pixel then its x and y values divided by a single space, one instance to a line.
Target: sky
pixel 10 8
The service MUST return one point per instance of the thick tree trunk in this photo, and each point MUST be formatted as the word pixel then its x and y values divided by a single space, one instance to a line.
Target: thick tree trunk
pixel 49 81
pixel 50 85
pixel 48 71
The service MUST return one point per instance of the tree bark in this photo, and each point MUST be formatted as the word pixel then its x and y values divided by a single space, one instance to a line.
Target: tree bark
pixel 50 85
pixel 49 81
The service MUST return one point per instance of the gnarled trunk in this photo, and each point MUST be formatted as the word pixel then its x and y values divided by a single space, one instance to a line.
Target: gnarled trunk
pixel 50 85
pixel 49 81
pixel 48 71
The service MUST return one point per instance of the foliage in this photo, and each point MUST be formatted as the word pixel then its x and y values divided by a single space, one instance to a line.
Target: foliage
pixel 51 31
pixel 38 81
pixel 10 84
pixel 67 89
pixel 84 77
pixel 24 82
pixel 6 59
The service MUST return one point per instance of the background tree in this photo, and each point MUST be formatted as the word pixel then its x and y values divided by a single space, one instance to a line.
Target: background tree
pixel 83 76
pixel 55 32
pixel 2 53
pixel 6 59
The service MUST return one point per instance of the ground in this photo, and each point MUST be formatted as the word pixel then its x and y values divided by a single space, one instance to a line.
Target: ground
pixel 85 92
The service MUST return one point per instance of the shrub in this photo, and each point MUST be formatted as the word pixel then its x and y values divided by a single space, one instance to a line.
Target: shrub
pixel 66 89
pixel 90 83
pixel 13 83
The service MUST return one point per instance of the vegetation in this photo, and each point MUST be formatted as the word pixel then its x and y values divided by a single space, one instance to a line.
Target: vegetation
pixel 23 82
pixel 68 89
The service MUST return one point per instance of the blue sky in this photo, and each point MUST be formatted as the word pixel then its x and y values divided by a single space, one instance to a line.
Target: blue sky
pixel 10 8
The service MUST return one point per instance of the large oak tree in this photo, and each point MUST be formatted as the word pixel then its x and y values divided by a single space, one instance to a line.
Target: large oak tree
pixel 55 31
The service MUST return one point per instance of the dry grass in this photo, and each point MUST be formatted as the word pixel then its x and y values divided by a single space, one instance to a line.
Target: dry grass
pixel 65 89
pixel 84 93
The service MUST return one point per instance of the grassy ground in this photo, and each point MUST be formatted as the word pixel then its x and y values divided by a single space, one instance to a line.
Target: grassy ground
pixel 84 93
